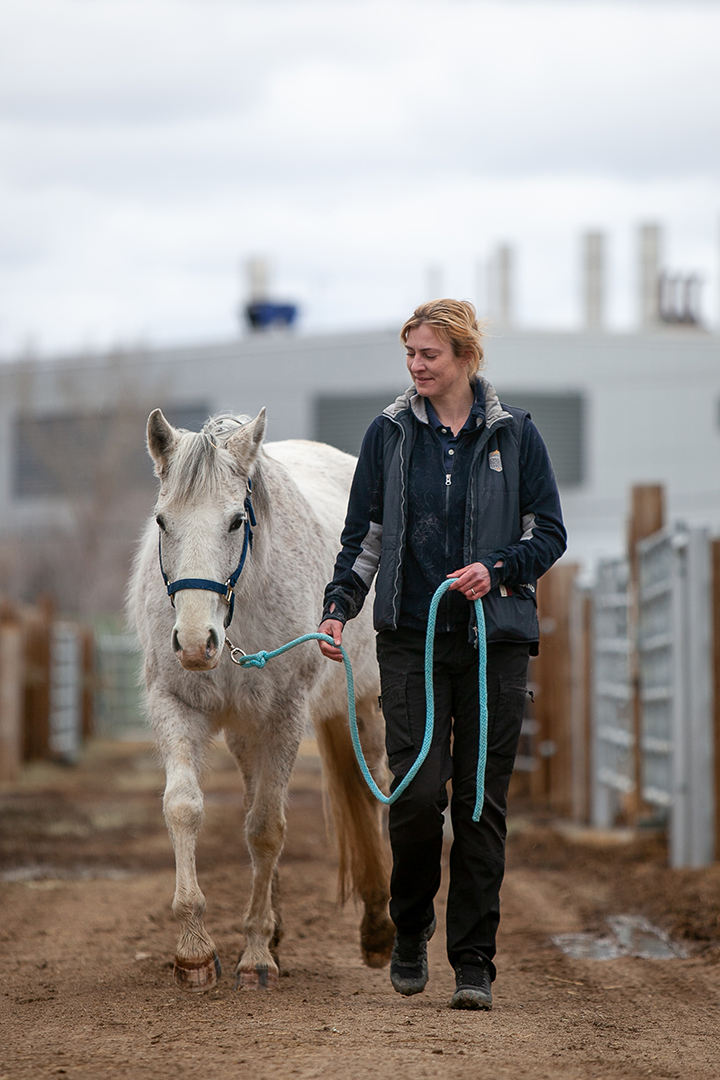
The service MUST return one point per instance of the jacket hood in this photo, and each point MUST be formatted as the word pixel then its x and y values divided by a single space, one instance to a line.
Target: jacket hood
pixel 414 401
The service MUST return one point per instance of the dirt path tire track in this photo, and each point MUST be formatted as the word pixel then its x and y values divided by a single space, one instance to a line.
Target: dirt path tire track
pixel 76 1003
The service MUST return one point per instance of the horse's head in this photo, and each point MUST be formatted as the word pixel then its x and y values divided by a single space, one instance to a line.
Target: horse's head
pixel 201 512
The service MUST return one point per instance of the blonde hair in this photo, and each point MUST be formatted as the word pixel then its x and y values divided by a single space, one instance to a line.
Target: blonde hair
pixel 454 321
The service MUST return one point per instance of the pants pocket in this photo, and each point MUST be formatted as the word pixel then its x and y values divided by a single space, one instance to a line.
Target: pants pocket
pixel 506 719
pixel 398 738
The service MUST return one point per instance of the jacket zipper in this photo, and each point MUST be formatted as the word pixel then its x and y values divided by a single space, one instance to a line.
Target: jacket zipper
pixel 394 599
pixel 448 483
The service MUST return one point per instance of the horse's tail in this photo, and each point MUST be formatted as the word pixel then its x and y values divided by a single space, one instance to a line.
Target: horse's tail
pixel 364 869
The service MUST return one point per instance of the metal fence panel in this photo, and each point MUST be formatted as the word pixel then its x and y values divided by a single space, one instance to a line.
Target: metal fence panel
pixel 660 680
pixel 66 681
pixel 675 660
pixel 698 664
pixel 118 700
pixel 613 739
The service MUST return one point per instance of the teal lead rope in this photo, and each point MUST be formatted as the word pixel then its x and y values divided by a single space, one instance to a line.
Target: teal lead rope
pixel 259 660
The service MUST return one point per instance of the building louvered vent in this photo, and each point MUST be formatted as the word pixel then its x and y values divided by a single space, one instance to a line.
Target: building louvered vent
pixel 560 419
pixel 73 454
pixel 342 420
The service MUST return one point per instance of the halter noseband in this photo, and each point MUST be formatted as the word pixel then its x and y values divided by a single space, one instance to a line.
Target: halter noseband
pixel 226 590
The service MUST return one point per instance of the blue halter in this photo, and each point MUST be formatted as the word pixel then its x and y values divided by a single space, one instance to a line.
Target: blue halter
pixel 226 590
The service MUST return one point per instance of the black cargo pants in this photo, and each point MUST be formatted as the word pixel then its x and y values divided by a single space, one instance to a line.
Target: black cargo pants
pixel 477 858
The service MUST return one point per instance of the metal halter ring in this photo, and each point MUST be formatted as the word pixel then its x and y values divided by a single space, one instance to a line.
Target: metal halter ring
pixel 235 651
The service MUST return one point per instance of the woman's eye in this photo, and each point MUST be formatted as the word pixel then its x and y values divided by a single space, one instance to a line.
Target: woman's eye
pixel 161 521
pixel 236 523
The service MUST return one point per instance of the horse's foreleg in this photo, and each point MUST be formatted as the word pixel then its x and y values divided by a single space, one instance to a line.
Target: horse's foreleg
pixel 267 773
pixel 364 861
pixel 182 745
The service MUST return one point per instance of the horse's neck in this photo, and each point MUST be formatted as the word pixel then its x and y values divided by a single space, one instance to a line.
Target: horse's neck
pixel 267 501
pixel 277 501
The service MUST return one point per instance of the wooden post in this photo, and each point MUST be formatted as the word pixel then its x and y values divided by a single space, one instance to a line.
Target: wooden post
pixel 647 516
pixel 11 693
pixel 581 658
pixel 87 646
pixel 539 776
pixel 38 630
pixel 555 695
pixel 716 683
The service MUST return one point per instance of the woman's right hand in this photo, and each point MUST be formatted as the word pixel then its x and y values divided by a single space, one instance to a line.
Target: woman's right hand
pixel 333 628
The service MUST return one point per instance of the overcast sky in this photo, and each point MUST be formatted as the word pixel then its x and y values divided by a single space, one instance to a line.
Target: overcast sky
pixel 149 147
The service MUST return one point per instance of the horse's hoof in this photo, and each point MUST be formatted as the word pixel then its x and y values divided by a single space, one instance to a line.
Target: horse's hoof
pixel 261 977
pixel 377 937
pixel 196 976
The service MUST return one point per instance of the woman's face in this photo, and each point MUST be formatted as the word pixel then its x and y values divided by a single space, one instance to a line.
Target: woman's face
pixel 433 366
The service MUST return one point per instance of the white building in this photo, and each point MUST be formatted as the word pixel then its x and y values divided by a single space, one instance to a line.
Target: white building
pixel 615 410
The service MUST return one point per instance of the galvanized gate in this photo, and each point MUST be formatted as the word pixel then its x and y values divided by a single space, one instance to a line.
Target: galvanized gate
pixel 66 687
pixel 675 665
pixel 613 738
pixel 118 702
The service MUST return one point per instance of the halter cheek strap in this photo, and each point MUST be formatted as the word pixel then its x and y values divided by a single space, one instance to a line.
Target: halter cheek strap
pixel 226 589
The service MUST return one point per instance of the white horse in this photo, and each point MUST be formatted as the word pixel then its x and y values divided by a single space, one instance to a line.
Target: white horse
pixel 299 494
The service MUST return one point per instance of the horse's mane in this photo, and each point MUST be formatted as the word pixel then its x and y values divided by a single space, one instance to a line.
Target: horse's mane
pixel 200 463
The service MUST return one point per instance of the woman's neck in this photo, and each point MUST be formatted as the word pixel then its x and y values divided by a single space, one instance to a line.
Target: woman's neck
pixel 453 408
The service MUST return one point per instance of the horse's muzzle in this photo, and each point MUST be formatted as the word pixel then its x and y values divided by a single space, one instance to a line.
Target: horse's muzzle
pixel 197 657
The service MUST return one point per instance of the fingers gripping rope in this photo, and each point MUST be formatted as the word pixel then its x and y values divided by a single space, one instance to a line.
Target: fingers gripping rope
pixel 259 660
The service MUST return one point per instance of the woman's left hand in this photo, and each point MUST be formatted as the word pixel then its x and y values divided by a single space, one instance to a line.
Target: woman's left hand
pixel 473 581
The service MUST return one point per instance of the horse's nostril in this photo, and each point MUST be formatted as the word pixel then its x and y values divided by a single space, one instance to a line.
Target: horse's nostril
pixel 212 644
pixel 176 642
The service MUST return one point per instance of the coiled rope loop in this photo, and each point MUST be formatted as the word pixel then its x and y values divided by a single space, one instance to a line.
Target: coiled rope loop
pixel 259 659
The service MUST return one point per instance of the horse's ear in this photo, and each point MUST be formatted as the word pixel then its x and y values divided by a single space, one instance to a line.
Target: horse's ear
pixel 161 440
pixel 245 443
pixel 258 428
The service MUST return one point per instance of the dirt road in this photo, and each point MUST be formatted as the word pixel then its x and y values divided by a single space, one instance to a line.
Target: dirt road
pixel 87 937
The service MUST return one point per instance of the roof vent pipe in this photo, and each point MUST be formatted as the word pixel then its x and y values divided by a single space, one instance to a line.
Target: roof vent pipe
pixel 501 269
pixel 650 244
pixel 594 266
pixel 258 277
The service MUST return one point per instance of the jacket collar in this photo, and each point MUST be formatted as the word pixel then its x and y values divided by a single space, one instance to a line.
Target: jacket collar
pixel 487 407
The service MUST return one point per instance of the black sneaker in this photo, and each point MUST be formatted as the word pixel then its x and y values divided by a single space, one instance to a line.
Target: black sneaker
pixel 472 987
pixel 408 963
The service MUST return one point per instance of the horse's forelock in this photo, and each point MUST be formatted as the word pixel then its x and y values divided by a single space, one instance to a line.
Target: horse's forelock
pixel 198 466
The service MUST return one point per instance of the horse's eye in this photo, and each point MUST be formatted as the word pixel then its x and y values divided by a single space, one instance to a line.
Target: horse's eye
pixel 161 521
pixel 236 522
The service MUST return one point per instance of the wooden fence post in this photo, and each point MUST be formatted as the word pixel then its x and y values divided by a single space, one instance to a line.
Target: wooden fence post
pixel 11 693
pixel 554 676
pixel 647 516
pixel 581 632
pixel 716 683
pixel 87 647
pixel 38 635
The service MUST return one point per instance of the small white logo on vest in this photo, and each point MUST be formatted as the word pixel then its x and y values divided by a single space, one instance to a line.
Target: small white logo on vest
pixel 495 461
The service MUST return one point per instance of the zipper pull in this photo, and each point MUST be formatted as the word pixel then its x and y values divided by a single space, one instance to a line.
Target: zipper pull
pixel 448 479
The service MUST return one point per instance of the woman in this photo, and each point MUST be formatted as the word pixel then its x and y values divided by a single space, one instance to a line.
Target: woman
pixel 449 483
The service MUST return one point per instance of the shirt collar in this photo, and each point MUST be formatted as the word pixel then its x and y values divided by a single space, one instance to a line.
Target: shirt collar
pixel 475 418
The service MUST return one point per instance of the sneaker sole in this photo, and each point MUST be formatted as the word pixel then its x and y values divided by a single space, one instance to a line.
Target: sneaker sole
pixel 407 988
pixel 469 998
